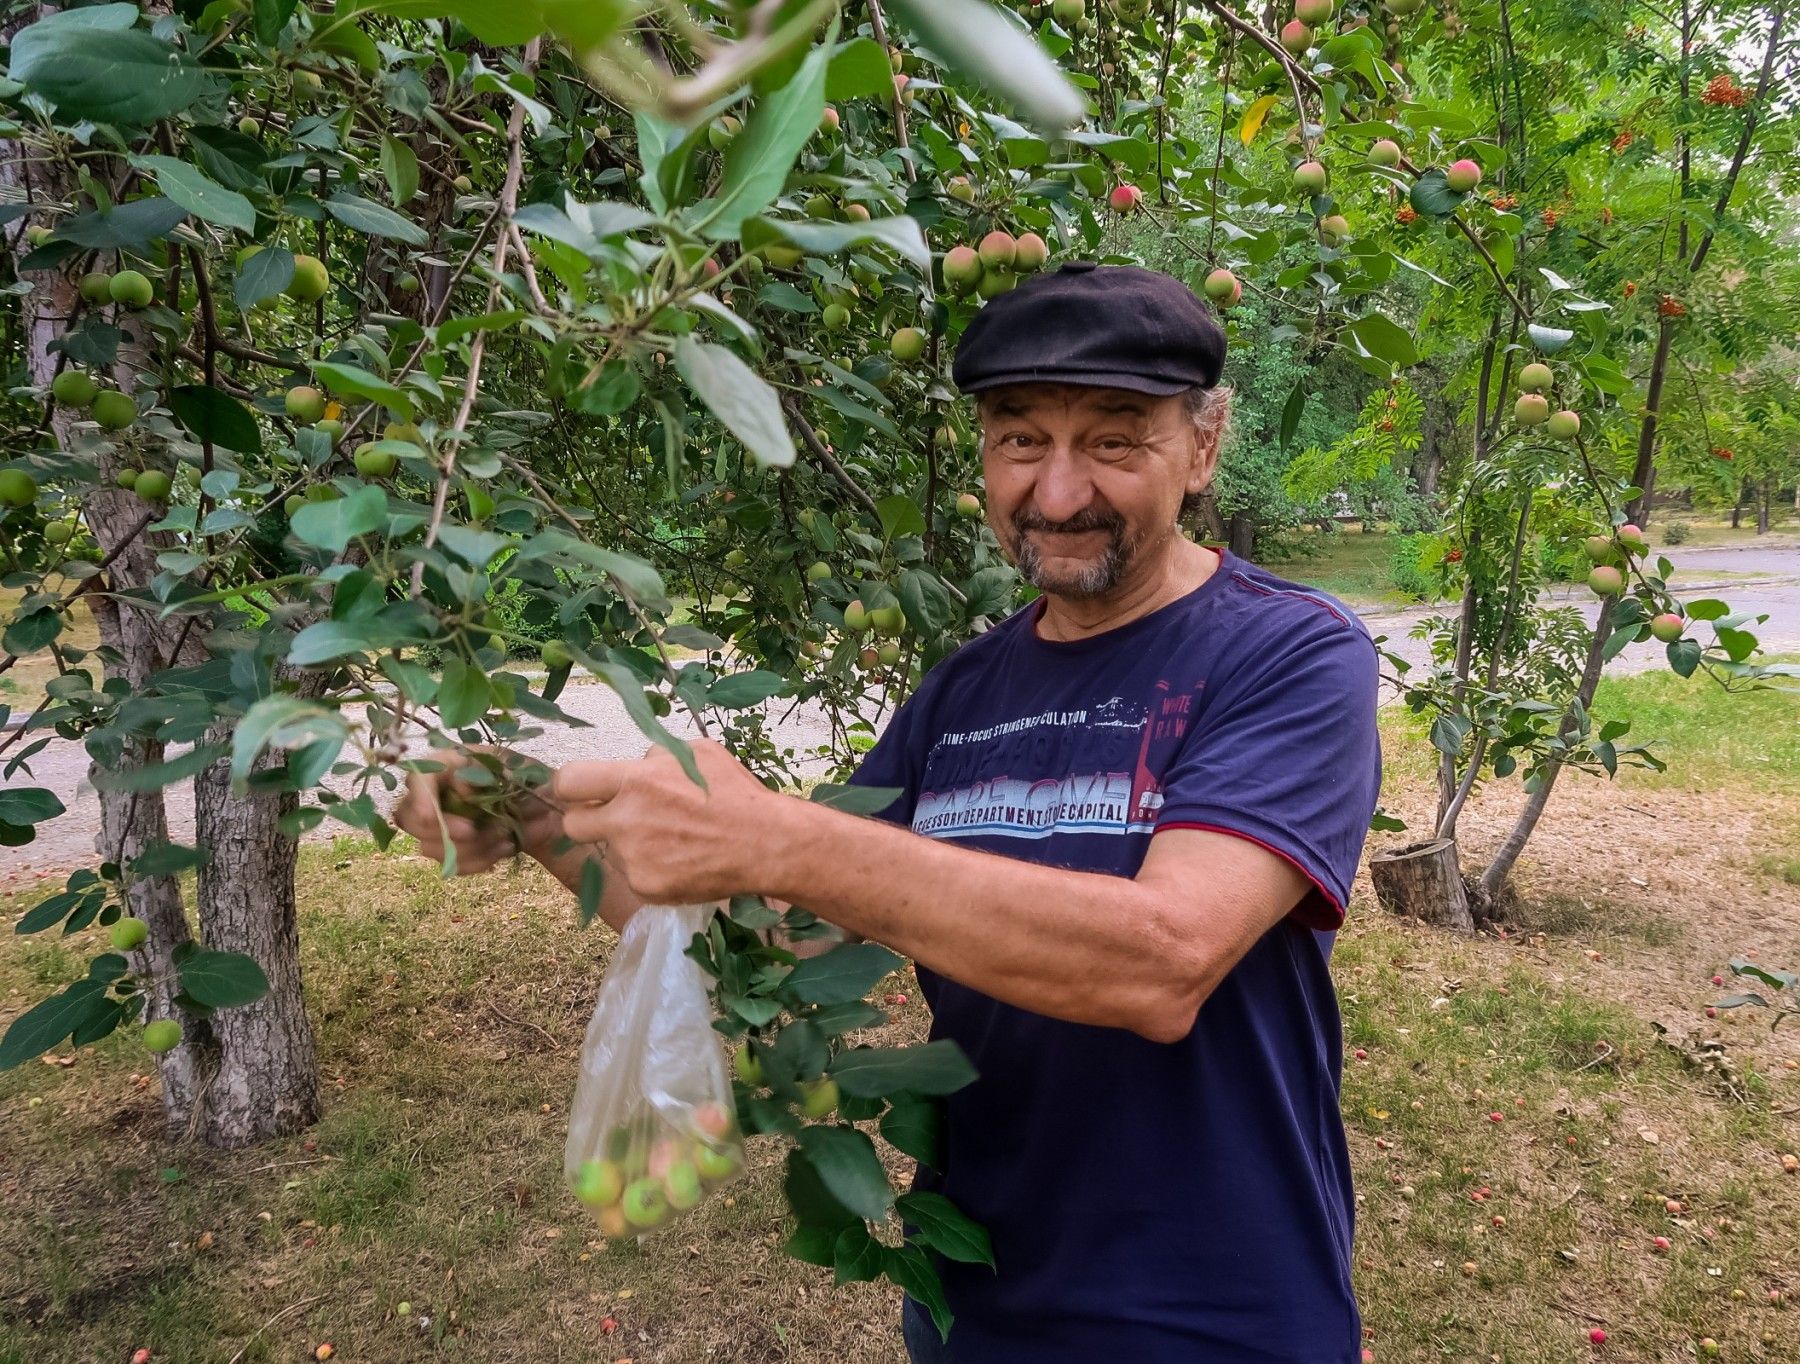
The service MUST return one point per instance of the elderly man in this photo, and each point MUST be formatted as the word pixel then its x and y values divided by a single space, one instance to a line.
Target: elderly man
pixel 1129 819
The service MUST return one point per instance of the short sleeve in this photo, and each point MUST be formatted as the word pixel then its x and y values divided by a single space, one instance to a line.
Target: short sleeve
pixel 1289 757
pixel 897 761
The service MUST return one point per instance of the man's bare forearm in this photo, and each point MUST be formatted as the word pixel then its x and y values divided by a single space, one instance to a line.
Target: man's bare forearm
pixel 1080 946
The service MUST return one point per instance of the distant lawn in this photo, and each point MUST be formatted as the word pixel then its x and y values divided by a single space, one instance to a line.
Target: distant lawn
pixel 1710 737
pixel 1350 564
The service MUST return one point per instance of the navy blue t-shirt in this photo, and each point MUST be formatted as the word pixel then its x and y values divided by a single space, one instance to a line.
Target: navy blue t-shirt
pixel 1154 1203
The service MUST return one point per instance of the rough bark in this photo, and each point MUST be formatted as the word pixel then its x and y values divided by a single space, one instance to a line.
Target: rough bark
pixel 1423 881
pixel 262 1073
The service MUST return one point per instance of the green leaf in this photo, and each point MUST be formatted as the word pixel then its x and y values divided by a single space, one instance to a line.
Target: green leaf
pixel 325 641
pixel 998 53
pixel 1291 412
pixel 198 193
pixel 859 70
pixel 815 1245
pixel 944 1227
pixel 358 382
pixel 458 327
pixel 759 158
pixel 1684 657
pixel 900 515
pixel 463 694
pixel 365 215
pixel 1432 196
pixel 914 1125
pixel 1384 339
pixel 855 800
pixel 909 1267
pixel 155 776
pixel 1549 340
pixel 848 1167
pixel 500 23
pixel 593 888
pixel 1738 644
pixel 400 166
pixel 812 1203
pixel 333 525
pixel 269 17
pixel 28 805
pixel 637 577
pixel 223 980
pixel 167 859
pixel 902 234
pixel 45 1024
pixel 734 691
pixel 927 1068
pixel 133 225
pixel 106 74
pixel 217 417
pixel 738 397
pixel 263 276
pixel 928 605
pixel 1708 608
pixel 848 971
pixel 284 722
pixel 31 632
pixel 856 1256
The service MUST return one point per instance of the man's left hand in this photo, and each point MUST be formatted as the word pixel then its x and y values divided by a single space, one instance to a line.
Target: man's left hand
pixel 675 842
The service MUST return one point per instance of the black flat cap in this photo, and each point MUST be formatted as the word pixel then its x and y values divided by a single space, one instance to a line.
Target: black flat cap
pixel 1100 326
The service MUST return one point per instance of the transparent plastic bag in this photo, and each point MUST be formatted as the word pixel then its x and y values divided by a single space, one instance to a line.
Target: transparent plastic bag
pixel 653 1130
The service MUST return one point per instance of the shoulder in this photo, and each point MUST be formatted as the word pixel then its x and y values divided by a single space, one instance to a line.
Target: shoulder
pixel 1272 626
pixel 1287 605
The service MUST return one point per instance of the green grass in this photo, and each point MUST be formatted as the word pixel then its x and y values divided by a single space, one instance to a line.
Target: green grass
pixel 1349 564
pixel 1709 737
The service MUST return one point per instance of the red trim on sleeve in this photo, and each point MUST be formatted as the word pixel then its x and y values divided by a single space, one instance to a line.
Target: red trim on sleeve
pixel 1319 909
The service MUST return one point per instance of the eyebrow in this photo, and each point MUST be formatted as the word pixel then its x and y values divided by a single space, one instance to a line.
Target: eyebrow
pixel 1107 407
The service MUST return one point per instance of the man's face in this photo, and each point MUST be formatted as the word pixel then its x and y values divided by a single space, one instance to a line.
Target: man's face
pixel 1081 482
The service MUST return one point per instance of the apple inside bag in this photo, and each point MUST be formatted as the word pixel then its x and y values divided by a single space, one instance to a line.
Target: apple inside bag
pixel 653 1129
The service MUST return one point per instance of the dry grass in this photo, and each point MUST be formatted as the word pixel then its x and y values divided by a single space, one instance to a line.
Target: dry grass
pixel 449 1016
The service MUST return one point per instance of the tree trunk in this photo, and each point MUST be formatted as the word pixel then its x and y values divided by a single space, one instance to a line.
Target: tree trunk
pixel 263 1078
pixel 1423 881
pixel 1242 534
pixel 200 1077
pixel 1643 474
pixel 1762 507
pixel 1499 871
pixel 1206 515
pixel 1737 511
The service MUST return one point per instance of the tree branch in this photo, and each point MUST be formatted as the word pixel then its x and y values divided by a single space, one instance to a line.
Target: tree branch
pixel 1743 146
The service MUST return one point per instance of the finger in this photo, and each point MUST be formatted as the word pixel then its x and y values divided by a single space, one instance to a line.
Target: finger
pixel 588 824
pixel 590 783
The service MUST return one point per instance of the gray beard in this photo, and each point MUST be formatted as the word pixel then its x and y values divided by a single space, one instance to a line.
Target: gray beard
pixel 1096 578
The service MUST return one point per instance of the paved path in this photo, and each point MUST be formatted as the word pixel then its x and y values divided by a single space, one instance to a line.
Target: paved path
pixel 69 840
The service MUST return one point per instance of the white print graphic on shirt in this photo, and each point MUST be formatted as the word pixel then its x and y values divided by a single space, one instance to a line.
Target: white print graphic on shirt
pixel 980 794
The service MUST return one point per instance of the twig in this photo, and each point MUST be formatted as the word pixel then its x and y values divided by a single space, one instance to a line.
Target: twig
pixel 829 460
pixel 524 1023
pixel 878 24
pixel 509 197
pixel 1295 75
pixel 284 1312
pixel 528 268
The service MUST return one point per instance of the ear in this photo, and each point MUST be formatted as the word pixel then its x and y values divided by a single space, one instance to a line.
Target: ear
pixel 1205 455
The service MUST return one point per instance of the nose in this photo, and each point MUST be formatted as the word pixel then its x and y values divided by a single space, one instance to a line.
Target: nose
pixel 1064 486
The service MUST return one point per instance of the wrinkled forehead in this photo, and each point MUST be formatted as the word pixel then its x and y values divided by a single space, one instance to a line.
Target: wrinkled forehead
pixel 1066 400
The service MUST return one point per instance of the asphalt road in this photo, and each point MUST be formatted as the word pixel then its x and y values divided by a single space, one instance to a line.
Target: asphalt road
pixel 608 733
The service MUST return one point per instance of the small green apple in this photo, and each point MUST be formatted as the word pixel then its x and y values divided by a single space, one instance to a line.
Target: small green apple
pixel 17 488
pixel 682 1185
pixel 132 288
pixel 74 388
pixel 128 934
pixel 644 1203
pixel 747 1067
pixel 162 1035
pixel 598 1182
pixel 821 1097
